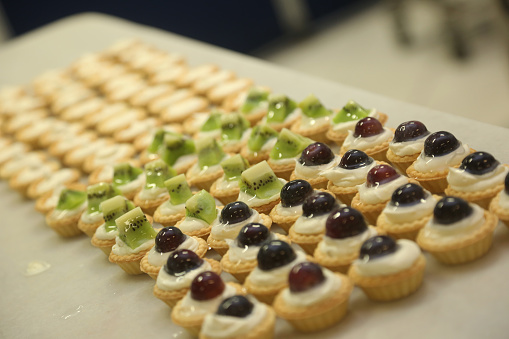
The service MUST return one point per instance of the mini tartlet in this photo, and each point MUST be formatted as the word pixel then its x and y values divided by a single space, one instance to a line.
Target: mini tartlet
pixel 478 179
pixel 208 169
pixel 178 152
pixel 315 299
pixel 370 137
pixel 64 218
pixel 441 151
pixel 201 211
pixel 255 104
pixel 387 269
pixel 174 209
pixel 92 218
pixel 346 119
pixel 226 189
pixel 42 186
pixel 345 232
pixel 260 143
pixel 500 204
pixel 230 221
pixel 128 179
pixel 315 159
pixel 235 132
pixel 283 112
pixel 459 231
pixel 314 121
pixel 407 144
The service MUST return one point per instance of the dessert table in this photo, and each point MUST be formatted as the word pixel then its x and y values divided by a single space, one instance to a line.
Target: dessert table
pixel 82 295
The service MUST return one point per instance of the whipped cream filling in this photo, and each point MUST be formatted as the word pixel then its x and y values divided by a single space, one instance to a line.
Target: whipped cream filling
pixel 284 161
pixel 310 225
pixel 196 121
pixel 503 200
pixel 215 134
pixel 363 144
pixel 42 126
pixel 111 153
pixel 277 275
pixel 55 179
pixel 20 161
pixel 409 147
pixel 461 180
pixel 91 218
pixel 168 282
pixel 303 171
pixel 52 201
pixel 380 193
pixel 134 185
pixel 11 151
pixel 309 123
pixel 71 141
pixel 464 227
pixel 167 208
pixel 184 161
pixel 403 214
pixel 347 246
pixel 253 201
pixel 106 173
pixel 342 177
pixel 121 248
pixel 238 254
pixel 344 127
pixel 330 286
pixel 153 193
pixel 222 231
pixel 57 214
pixel 196 171
pixel 156 258
pixel 222 184
pixel 190 224
pixel 404 257
pixel 88 149
pixel 136 128
pixel 267 146
pixel 31 174
pixel 223 326
pixel 192 308
pixel 290 118
pixel 233 142
pixel 102 234
pixel 425 164
pixel 288 211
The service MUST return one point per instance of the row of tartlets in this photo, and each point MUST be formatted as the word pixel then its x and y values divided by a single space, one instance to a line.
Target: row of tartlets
pixel 278 136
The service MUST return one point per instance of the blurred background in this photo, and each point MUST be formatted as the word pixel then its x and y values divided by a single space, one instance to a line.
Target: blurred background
pixel 450 55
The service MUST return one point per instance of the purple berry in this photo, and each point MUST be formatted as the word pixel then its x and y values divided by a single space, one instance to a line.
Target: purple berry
pixel 318 204
pixel 368 127
pixel 376 247
pixel 345 222
pixel 408 194
pixel 450 210
pixel 169 239
pixel 316 154
pixel 235 212
pixel 236 306
pixel 182 261
pixel 479 163
pixel 305 276
pixel 207 285
pixel 294 192
pixel 353 159
pixel 381 174
pixel 252 234
pixel 274 254
pixel 440 143
pixel 410 130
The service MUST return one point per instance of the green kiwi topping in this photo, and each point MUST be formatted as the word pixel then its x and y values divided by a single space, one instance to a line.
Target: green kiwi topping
pixel 114 208
pixel 202 206
pixel 233 126
pixel 71 199
pixel 212 123
pixel 313 108
pixel 179 189
pixel 174 147
pixel 253 100
pixel 134 229
pixel 158 140
pixel 234 166
pixel 260 134
pixel 289 145
pixel 98 193
pixel 124 173
pixel 260 181
pixel 209 152
pixel 280 106
pixel 157 172
pixel 352 111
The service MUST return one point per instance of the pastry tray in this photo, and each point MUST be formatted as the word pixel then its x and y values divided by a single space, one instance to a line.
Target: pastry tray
pixel 82 295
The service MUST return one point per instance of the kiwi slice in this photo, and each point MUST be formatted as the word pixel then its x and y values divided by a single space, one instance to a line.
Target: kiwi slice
pixel 289 145
pixel 352 111
pixel 174 147
pixel 213 122
pixel 209 152
pixel 179 189
pixel 233 126
pixel 134 229
pixel 98 193
pixel 202 206
pixel 255 96
pixel 280 106
pixel 158 140
pixel 313 108
pixel 259 136
pixel 234 166
pixel 114 208
pixel 157 172
pixel 260 181
pixel 124 173
pixel 70 199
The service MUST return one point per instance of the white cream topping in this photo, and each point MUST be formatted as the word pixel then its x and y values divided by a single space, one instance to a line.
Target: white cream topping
pixel 134 185
pixel 238 254
pixel 224 185
pixel 425 164
pixel 71 141
pixel 88 149
pixel 363 144
pixel 121 248
pixel 243 139
pixel 207 82
pixel 190 307
pixel 380 193
pixel 346 126
pixel 57 214
pixel 309 123
pixel 195 170
pixel 410 147
pixel 276 275
pixel 55 179
pixel 503 200
pixel 310 225
pixel 288 211
pixel 290 118
pixel 303 171
pixel 106 174
pixel 343 177
pixel 464 227
pixel 156 258
pixel 137 127
pixel 153 193
pixel 461 180
pixel 184 162
pixel 403 214
pixel 253 201
pixel 167 208
pixel 404 257
pixel 185 108
pixel 222 231
pixel 347 246
pixel 20 161
pixel 267 146
pixel 330 286
pixel 190 224
pixel 91 218
pixel 168 282
pixel 111 153
pixel 102 234
pixel 284 161
pixel 31 174
pixel 12 150
pixel 52 201
pixel 222 326
pixel 42 126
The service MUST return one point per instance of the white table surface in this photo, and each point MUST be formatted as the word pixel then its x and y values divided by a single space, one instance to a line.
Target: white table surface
pixel 82 295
